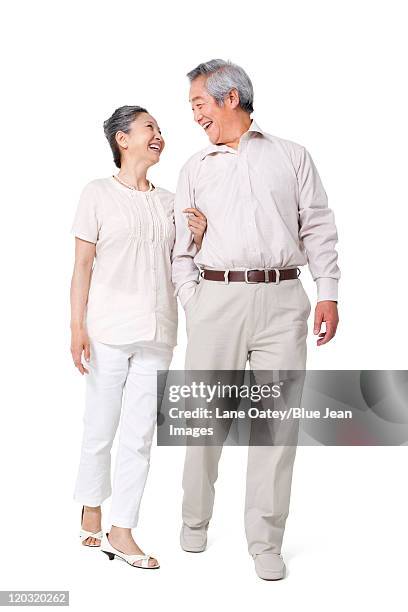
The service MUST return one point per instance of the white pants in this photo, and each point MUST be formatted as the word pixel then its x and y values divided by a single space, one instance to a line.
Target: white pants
pixel 129 370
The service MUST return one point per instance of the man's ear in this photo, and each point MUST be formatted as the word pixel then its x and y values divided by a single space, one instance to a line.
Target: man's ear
pixel 232 98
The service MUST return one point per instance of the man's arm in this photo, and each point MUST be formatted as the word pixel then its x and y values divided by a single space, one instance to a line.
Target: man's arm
pixel 184 270
pixel 318 232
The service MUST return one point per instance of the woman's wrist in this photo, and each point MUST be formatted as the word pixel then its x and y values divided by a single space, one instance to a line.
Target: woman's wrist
pixel 77 326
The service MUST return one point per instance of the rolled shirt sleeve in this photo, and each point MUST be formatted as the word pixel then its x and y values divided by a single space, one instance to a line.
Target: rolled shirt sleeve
pixel 317 229
pixel 184 271
pixel 86 225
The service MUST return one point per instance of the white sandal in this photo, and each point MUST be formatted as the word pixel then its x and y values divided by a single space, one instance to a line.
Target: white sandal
pixel 84 535
pixel 107 548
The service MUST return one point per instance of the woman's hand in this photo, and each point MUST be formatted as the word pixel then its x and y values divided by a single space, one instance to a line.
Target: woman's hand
pixel 197 223
pixel 80 344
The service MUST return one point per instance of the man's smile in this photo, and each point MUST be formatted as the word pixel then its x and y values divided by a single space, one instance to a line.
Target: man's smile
pixel 206 125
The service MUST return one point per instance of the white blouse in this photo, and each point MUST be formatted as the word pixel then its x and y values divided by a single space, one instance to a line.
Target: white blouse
pixel 131 295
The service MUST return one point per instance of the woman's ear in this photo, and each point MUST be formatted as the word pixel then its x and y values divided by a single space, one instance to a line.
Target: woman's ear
pixel 121 139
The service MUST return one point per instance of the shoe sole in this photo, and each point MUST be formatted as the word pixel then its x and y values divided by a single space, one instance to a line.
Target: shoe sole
pixel 271 579
pixel 191 549
pixel 274 579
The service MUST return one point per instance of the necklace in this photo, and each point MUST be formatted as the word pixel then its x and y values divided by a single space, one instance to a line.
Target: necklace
pixel 130 186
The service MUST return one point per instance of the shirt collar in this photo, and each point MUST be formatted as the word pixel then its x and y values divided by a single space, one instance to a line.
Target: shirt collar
pixel 214 148
pixel 254 127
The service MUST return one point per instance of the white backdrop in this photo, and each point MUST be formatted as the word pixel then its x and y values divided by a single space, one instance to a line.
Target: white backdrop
pixel 330 76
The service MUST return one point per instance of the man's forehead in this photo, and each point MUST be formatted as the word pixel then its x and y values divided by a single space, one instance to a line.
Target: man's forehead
pixel 195 98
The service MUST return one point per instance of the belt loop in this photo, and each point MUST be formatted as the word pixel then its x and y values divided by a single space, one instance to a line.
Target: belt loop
pixel 266 271
pixel 277 275
pixel 226 279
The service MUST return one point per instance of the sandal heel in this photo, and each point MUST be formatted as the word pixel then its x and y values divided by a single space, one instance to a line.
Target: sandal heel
pixel 110 555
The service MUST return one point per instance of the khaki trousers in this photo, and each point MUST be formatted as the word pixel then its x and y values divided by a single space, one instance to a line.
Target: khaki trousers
pixel 227 325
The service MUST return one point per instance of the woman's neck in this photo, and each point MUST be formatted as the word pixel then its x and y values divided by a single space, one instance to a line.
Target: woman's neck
pixel 134 175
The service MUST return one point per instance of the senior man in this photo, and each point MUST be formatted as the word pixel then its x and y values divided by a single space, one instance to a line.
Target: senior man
pixel 267 214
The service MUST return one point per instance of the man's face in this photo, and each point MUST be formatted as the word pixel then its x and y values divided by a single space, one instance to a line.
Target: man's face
pixel 213 119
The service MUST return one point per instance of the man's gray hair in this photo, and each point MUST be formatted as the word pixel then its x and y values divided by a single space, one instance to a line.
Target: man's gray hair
pixel 222 78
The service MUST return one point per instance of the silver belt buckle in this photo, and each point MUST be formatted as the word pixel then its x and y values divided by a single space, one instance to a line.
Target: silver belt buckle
pixel 246 276
pixel 253 270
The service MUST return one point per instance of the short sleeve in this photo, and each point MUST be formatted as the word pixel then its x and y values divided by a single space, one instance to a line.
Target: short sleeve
pixel 86 223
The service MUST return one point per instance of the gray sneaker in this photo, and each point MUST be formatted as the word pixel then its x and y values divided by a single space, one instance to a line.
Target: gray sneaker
pixel 270 566
pixel 193 539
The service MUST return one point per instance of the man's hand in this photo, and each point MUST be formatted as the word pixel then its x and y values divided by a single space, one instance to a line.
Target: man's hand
pixel 197 223
pixel 325 311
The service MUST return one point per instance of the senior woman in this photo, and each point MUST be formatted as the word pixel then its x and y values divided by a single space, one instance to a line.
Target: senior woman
pixel 123 325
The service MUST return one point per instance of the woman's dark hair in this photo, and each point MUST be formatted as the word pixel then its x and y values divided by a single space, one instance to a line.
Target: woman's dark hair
pixel 120 121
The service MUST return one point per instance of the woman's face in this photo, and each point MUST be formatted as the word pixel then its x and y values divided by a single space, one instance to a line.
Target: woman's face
pixel 143 141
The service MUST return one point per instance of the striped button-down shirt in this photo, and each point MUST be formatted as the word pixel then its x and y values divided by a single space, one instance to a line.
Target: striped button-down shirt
pixel 266 207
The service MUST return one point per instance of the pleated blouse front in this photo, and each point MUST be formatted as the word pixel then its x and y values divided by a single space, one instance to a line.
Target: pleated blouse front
pixel 131 296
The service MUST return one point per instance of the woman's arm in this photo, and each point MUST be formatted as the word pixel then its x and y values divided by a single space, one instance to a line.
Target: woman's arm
pixel 81 277
pixel 197 222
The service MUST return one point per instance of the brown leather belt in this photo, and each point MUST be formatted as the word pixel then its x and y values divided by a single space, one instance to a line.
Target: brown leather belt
pixel 250 276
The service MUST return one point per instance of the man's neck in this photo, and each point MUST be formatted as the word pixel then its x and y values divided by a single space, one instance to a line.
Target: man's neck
pixel 242 125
